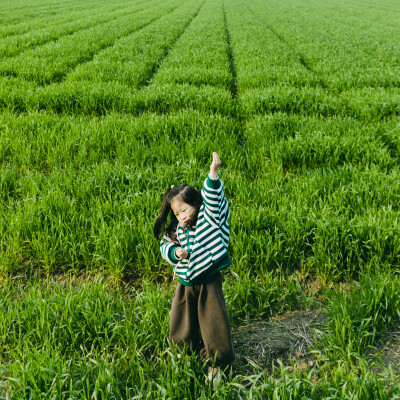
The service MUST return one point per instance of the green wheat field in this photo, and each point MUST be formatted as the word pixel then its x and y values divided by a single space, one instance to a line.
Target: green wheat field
pixel 105 104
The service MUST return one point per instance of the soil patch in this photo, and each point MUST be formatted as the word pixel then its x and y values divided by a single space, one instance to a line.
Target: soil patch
pixel 289 336
pixel 390 348
pixel 292 336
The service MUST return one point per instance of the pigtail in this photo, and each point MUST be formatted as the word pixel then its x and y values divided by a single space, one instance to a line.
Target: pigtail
pixel 161 221
pixel 159 226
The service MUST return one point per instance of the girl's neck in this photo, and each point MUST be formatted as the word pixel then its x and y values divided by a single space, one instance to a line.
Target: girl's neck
pixel 191 227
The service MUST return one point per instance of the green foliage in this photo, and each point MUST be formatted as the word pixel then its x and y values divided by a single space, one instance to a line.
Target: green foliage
pixel 132 60
pixel 81 339
pixel 102 99
pixel 52 61
pixel 341 51
pixel 363 315
pixel 105 105
pixel 86 339
pixel 26 35
pixel 201 55
pixel 249 298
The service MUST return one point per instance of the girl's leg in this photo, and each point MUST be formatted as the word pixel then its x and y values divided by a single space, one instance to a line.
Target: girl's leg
pixel 184 325
pixel 214 322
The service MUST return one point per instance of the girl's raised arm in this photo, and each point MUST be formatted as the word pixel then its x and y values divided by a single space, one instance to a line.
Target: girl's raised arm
pixel 212 193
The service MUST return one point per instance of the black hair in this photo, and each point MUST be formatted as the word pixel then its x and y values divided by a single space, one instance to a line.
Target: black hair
pixel 188 195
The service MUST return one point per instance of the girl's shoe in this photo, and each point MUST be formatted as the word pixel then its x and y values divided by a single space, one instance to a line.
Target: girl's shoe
pixel 214 376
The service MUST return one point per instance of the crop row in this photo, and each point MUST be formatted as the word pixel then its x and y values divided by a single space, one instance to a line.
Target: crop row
pixel 260 58
pixel 298 144
pixel 133 59
pixel 62 17
pixel 369 104
pixel 293 143
pixel 16 44
pixel 46 141
pixel 101 98
pixel 83 193
pixel 51 62
pixel 332 222
pixel 201 55
pixel 345 55
pixel 14 14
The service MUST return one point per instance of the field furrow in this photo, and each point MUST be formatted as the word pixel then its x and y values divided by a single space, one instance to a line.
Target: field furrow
pixel 51 62
pixel 133 60
pixel 261 58
pixel 335 48
pixel 199 57
pixel 232 67
pixel 14 45
pixel 30 12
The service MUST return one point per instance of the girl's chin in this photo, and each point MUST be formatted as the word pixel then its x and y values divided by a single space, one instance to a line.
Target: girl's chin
pixel 187 225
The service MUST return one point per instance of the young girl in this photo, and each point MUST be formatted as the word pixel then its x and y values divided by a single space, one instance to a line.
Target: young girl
pixel 196 242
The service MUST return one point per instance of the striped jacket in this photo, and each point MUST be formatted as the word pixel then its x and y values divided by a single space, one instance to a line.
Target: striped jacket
pixel 207 245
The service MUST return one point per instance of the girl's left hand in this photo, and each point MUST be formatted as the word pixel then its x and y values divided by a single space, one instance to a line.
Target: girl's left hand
pixel 181 253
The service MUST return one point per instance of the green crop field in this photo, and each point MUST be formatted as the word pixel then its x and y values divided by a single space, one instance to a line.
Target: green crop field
pixel 105 104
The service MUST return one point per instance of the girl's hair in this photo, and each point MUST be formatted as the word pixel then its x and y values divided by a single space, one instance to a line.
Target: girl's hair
pixel 188 195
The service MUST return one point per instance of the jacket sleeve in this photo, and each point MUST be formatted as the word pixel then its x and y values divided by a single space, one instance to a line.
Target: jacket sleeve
pixel 167 248
pixel 216 205
pixel 181 269
pixel 181 266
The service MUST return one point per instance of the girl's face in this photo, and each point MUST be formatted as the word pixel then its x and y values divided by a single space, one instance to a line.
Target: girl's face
pixel 182 211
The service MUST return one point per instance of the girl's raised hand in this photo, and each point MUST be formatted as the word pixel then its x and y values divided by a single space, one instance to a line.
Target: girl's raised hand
pixel 216 162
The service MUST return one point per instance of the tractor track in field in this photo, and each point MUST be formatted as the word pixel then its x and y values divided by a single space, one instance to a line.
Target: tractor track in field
pixel 33 46
pixel 157 65
pixel 61 76
pixel 299 56
pixel 89 59
pixel 232 69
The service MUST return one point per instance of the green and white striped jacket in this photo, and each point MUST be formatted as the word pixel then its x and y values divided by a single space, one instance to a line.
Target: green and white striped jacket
pixel 207 245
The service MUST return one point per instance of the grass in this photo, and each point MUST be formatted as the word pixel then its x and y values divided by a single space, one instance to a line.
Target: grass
pixel 103 106
pixel 86 337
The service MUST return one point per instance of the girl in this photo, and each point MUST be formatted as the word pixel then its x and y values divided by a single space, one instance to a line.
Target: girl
pixel 196 242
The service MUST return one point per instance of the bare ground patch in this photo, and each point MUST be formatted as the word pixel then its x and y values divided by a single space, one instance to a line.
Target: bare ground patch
pixel 390 350
pixel 281 338
pixel 292 336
